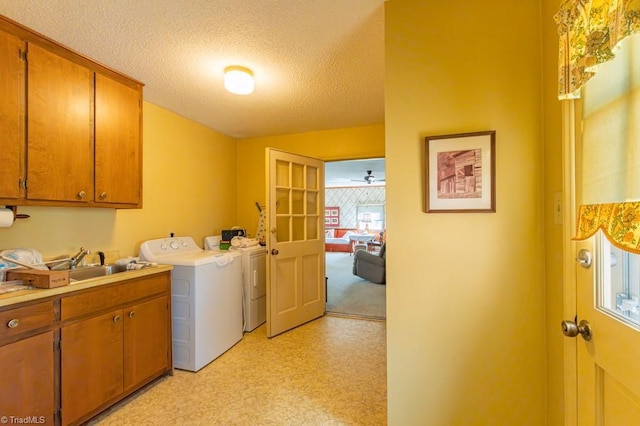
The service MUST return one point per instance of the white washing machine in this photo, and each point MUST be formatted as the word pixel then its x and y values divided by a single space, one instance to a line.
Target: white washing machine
pixel 254 281
pixel 206 296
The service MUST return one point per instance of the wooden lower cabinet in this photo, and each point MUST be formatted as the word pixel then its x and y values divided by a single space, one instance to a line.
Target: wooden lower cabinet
pixel 91 364
pixel 110 354
pixel 27 380
pixel 64 359
pixel 146 327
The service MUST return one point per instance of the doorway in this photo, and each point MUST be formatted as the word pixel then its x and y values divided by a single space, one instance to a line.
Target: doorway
pixel 355 200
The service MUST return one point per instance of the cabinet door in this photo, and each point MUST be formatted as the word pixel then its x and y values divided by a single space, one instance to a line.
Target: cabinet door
pixel 118 145
pixel 59 128
pixel 26 378
pixel 146 346
pixel 91 370
pixel 12 86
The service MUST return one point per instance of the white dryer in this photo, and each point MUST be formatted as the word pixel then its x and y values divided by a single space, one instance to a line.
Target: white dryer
pixel 206 298
pixel 254 281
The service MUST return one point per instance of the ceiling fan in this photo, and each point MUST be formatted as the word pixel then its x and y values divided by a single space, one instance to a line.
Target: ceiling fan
pixel 369 178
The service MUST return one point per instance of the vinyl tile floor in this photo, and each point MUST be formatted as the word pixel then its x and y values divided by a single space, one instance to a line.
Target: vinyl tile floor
pixel 331 371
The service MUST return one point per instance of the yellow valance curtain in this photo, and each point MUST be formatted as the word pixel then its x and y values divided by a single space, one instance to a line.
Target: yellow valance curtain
pixel 589 32
pixel 620 223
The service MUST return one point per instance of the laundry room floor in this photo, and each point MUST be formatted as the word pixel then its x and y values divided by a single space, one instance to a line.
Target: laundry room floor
pixel 329 371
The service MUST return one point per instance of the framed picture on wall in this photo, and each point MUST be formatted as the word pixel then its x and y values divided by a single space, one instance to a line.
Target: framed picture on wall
pixel 460 173
pixel 332 216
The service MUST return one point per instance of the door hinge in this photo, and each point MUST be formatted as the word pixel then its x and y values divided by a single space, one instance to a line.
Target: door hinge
pixel 22 183
pixel 22 54
pixel 57 345
pixel 57 416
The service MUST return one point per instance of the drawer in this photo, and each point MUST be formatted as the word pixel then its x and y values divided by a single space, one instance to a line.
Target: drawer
pixel 110 297
pixel 27 318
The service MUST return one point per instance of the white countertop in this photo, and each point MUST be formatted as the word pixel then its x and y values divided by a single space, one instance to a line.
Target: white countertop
pixel 41 293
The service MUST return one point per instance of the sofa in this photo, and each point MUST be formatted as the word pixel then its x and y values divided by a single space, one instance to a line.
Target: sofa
pixel 371 267
pixel 337 239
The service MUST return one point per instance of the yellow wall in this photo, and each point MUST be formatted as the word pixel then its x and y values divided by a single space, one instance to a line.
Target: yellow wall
pixel 465 291
pixel 553 231
pixel 339 144
pixel 188 189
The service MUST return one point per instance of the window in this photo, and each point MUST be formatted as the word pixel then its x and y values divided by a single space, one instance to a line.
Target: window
pixel 611 130
pixel 370 217
pixel 618 284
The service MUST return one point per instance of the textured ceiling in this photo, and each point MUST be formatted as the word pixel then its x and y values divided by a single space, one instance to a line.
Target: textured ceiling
pixel 318 64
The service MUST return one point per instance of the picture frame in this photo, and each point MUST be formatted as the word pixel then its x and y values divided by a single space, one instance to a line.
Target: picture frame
pixel 460 172
pixel 332 217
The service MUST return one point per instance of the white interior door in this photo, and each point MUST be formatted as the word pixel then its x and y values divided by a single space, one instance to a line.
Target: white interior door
pixel 295 226
pixel 607 298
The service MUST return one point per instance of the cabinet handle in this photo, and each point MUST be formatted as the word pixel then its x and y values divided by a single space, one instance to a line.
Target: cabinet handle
pixel 116 318
pixel 82 194
pixel 13 323
pixel 103 195
pixel 132 314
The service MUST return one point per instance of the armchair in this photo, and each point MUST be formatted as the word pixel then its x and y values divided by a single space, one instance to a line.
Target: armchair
pixel 370 266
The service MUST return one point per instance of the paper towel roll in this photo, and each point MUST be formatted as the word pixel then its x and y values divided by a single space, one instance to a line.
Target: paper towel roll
pixel 6 218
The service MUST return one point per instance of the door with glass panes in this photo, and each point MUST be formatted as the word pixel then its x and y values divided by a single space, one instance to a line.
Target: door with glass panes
pixel 296 266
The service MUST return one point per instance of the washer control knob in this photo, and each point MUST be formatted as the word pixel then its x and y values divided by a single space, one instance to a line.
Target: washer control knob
pixel 163 246
pixel 174 245
pixel 184 244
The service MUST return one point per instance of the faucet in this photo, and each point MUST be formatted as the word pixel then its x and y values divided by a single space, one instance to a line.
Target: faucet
pixel 74 260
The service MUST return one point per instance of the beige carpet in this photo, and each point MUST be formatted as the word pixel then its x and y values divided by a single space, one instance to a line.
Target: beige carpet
pixel 349 294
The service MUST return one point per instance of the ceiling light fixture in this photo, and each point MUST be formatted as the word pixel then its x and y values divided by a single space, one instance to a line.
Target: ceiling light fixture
pixel 238 80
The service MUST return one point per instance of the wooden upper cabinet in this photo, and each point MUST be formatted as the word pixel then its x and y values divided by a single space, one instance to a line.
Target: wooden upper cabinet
pixel 12 83
pixel 70 128
pixel 60 128
pixel 118 159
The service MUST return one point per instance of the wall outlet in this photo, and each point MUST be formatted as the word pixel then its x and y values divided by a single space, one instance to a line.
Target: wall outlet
pixel 557 208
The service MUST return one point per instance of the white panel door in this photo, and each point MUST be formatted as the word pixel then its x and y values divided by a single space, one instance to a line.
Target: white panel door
pixel 295 224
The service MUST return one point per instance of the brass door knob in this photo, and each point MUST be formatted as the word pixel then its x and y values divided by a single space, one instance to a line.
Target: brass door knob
pixel 570 329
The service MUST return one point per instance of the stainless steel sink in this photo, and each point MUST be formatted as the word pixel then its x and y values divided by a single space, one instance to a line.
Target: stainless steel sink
pixel 95 271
